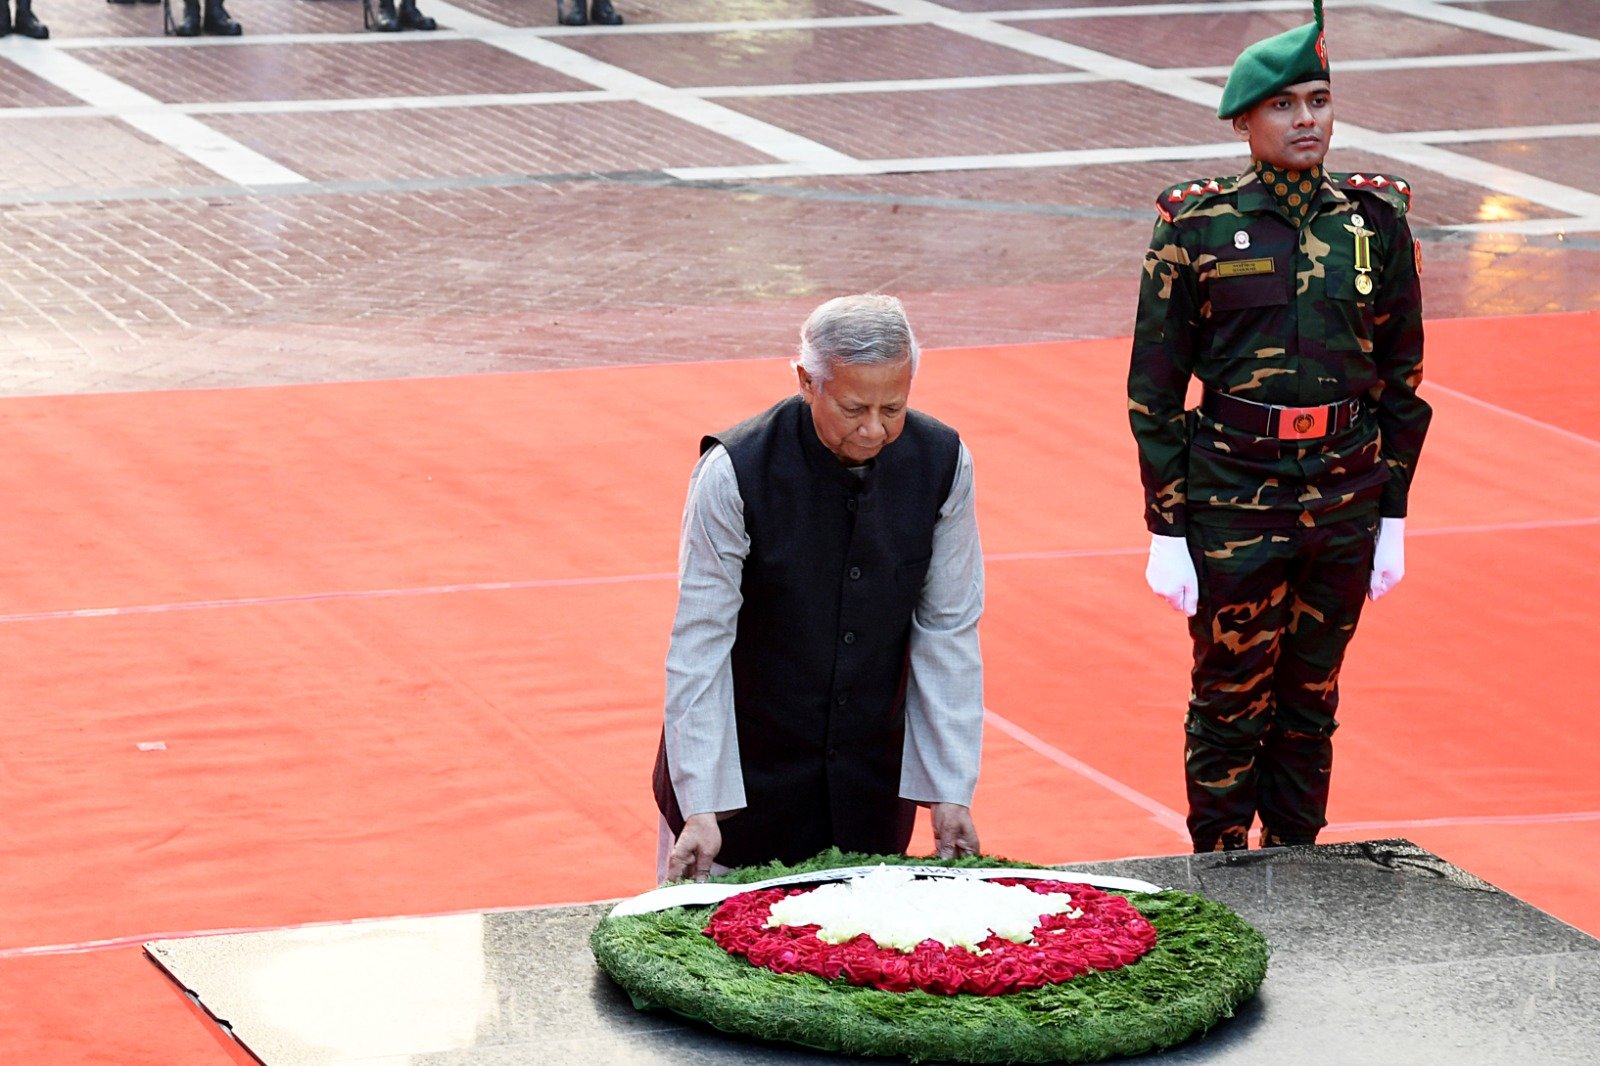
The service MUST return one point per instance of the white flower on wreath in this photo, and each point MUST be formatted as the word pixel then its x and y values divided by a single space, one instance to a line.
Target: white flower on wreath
pixel 899 911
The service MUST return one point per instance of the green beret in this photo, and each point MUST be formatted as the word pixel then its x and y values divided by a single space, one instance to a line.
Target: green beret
pixel 1272 65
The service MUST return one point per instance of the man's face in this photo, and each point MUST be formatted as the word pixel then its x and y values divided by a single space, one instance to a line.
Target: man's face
pixel 860 409
pixel 1291 130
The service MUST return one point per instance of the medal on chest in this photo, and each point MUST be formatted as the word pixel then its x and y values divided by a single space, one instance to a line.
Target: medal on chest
pixel 1363 254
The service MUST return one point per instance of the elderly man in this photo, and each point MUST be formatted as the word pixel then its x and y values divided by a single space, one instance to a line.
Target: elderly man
pixel 1279 504
pixel 824 677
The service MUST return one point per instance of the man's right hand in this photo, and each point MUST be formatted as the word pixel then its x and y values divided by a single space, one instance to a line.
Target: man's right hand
pixel 1171 575
pixel 695 848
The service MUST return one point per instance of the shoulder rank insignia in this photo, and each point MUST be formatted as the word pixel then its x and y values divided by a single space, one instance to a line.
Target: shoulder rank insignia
pixel 1172 201
pixel 1396 190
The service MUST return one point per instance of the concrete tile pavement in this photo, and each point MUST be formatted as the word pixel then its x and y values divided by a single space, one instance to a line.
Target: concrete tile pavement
pixel 1214 39
pixel 812 54
pixel 1480 97
pixel 988 120
pixel 311 70
pixel 671 12
pixel 72 20
pixel 1551 14
pixel 1568 160
pixel 18 88
pixel 466 143
pixel 48 155
pixel 506 194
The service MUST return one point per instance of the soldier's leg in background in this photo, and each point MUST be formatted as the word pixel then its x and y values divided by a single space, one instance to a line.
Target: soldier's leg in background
pixel 218 21
pixel 1328 586
pixel 187 25
pixel 1243 608
pixel 26 24
pixel 412 19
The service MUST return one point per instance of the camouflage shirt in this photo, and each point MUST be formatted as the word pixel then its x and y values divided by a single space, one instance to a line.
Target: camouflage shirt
pixel 1237 296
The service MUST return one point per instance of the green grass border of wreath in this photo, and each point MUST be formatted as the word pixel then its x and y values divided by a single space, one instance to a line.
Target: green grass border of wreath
pixel 1207 960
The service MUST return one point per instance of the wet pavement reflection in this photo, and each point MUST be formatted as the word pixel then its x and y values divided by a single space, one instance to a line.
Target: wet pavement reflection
pixel 309 203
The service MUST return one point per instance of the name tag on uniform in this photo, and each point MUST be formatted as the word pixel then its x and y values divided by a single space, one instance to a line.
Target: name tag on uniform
pixel 1240 268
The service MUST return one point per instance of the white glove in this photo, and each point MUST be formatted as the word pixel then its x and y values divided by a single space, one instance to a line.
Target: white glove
pixel 1171 575
pixel 1389 558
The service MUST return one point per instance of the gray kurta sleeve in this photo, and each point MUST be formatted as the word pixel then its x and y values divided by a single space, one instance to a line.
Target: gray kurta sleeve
pixel 701 735
pixel 944 692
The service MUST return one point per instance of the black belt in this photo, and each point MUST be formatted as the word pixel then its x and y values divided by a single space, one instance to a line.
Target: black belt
pixel 1284 423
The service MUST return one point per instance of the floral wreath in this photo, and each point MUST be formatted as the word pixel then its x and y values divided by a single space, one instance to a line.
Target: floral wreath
pixel 1090 930
pixel 1204 961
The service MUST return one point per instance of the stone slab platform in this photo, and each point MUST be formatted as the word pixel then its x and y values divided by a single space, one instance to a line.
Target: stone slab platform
pixel 1382 952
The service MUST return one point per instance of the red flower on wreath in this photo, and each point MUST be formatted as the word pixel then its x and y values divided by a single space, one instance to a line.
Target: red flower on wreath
pixel 1109 934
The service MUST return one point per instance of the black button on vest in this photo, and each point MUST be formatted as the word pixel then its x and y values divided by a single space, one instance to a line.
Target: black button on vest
pixel 819 662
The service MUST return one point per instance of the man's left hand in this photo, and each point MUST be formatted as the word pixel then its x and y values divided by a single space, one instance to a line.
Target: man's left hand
pixel 694 849
pixel 953 832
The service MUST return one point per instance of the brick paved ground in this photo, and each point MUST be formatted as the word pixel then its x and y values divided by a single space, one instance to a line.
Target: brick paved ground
pixel 310 203
pixel 1206 39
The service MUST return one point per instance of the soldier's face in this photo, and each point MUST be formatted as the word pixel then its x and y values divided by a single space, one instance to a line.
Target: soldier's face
pixel 1291 130
pixel 859 410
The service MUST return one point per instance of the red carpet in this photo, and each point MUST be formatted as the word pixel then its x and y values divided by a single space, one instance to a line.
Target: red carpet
pixel 277 656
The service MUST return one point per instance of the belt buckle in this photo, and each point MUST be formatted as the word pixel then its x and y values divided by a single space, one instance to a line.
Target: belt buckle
pixel 1302 423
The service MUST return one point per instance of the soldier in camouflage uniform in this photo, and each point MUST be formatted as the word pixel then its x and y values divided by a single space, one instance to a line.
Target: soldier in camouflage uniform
pixel 1277 505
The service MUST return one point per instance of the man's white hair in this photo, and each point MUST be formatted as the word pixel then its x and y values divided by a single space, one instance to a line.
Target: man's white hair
pixel 851 330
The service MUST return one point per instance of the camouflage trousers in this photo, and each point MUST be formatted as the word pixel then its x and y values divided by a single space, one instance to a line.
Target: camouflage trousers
pixel 1277 610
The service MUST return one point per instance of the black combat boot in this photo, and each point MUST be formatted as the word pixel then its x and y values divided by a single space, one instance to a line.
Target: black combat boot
pixel 381 19
pixel 219 22
pixel 601 13
pixel 26 24
pixel 572 13
pixel 189 24
pixel 412 19
pixel 5 18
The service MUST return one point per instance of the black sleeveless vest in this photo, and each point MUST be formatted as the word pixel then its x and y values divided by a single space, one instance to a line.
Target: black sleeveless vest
pixel 835 570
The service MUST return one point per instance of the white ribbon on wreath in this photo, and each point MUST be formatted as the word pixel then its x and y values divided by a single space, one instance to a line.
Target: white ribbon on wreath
pixel 700 894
